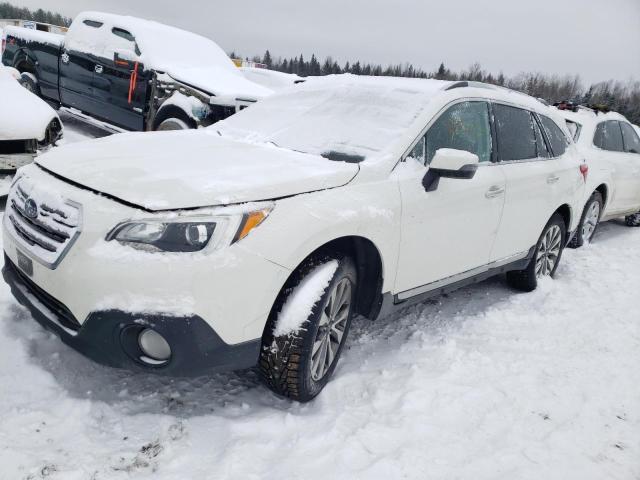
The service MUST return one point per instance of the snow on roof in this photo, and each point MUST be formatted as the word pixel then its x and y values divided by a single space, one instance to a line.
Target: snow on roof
pixel 353 115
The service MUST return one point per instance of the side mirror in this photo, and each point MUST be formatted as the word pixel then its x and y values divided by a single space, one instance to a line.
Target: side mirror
pixel 450 163
pixel 125 58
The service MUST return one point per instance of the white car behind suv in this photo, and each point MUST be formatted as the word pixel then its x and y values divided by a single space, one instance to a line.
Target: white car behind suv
pixel 255 241
pixel 611 147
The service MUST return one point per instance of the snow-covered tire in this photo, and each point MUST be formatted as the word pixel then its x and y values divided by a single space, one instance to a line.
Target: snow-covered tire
pixel 587 228
pixel 527 279
pixel 173 118
pixel 30 82
pixel 287 360
pixel 633 220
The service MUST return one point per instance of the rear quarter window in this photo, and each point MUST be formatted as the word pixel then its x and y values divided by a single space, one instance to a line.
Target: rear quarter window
pixel 608 136
pixel 630 137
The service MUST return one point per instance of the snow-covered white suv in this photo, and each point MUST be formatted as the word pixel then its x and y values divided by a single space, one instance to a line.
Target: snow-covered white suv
pixel 255 241
pixel 611 147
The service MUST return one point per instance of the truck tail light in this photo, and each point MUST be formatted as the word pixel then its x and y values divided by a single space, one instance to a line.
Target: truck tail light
pixel 584 170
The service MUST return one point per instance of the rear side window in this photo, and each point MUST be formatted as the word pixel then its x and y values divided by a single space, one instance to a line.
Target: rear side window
pixel 92 23
pixel 464 126
pixel 516 134
pixel 630 137
pixel 556 136
pixel 541 145
pixel 574 129
pixel 608 136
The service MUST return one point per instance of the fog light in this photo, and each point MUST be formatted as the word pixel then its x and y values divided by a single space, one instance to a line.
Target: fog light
pixel 154 346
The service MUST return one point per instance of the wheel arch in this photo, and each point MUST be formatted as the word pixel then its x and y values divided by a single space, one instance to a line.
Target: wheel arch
pixel 603 189
pixel 567 215
pixel 172 111
pixel 24 63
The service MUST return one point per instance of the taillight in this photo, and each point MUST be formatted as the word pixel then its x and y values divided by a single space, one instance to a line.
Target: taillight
pixel 584 170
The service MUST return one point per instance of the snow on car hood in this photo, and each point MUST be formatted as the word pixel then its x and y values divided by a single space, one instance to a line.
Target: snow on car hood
pixel 188 169
pixel 23 115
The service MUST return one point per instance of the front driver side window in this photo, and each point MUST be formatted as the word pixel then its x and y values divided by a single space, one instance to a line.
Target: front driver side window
pixel 464 126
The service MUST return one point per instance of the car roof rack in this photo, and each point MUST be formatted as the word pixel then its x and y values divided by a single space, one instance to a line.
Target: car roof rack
pixel 465 83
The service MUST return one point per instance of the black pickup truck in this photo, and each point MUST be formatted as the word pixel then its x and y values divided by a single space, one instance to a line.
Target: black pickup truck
pixel 132 73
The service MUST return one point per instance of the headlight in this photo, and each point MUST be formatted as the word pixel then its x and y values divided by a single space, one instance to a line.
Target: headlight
pixel 187 234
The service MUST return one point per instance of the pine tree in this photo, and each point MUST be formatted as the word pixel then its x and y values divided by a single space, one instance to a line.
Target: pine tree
pixel 267 60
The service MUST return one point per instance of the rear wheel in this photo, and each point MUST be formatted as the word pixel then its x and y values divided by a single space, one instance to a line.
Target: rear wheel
pixel 546 257
pixel 589 221
pixel 30 82
pixel 633 220
pixel 298 364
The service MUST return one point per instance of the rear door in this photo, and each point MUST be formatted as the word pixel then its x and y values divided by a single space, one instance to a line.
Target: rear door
pixel 608 139
pixel 121 84
pixel 632 149
pixel 533 181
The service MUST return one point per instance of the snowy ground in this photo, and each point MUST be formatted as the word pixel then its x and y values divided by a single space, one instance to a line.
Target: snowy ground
pixel 483 384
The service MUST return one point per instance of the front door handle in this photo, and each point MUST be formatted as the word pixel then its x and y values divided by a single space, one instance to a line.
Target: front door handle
pixel 98 69
pixel 494 191
pixel 551 179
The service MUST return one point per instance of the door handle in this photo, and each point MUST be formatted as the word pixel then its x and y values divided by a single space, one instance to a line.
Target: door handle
pixel 98 69
pixel 552 179
pixel 494 191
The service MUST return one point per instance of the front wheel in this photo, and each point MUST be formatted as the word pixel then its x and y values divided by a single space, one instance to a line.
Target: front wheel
pixel 308 327
pixel 546 257
pixel 589 221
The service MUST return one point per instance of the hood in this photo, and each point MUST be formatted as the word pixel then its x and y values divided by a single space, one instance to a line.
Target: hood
pixel 193 168
pixel 23 115
pixel 228 85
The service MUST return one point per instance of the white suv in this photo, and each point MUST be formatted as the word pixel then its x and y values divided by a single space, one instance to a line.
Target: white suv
pixel 611 147
pixel 255 241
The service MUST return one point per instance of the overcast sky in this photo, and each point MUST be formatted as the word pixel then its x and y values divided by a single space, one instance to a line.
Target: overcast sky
pixel 598 39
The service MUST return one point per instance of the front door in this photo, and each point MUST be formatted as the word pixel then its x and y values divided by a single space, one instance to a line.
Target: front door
pixel 449 233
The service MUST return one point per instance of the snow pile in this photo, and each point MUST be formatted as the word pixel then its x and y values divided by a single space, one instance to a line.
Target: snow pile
pixel 31 35
pixel 342 113
pixel 298 306
pixel 23 115
pixel 193 107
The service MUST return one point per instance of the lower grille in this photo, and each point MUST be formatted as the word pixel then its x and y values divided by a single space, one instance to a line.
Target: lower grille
pixel 63 314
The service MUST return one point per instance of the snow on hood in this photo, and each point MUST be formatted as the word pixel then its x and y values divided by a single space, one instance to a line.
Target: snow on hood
pixel 194 168
pixel 360 116
pixel 23 115
pixel 271 79
pixel 185 56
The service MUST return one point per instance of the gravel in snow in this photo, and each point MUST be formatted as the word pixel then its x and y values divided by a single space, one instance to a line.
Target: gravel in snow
pixel 484 383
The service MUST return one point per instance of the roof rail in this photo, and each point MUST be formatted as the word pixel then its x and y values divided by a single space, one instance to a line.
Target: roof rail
pixel 472 84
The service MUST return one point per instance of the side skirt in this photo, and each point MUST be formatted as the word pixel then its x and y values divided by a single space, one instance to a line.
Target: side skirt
pixel 393 302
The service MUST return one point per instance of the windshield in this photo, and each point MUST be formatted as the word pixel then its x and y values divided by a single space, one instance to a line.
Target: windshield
pixel 341 118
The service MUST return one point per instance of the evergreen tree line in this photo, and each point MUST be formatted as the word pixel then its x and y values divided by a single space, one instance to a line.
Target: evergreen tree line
pixel 623 97
pixel 9 11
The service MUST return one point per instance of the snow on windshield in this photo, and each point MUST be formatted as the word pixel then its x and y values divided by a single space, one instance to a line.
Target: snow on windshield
pixel 361 116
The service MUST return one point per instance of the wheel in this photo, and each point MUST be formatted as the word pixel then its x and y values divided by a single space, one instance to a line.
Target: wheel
pixel 546 257
pixel 30 82
pixel 297 363
pixel 633 220
pixel 589 221
pixel 173 118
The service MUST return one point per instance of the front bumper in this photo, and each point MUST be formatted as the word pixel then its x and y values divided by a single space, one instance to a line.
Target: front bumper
pixel 110 337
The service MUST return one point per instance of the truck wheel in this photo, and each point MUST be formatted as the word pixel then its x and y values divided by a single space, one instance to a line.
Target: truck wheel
pixel 173 118
pixel 589 221
pixel 30 82
pixel 298 363
pixel 633 220
pixel 546 257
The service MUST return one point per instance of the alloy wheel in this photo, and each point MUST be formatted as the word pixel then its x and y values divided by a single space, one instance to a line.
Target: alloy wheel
pixel 591 221
pixel 331 329
pixel 548 251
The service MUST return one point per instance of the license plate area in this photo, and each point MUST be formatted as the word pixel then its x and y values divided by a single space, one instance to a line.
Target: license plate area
pixel 25 263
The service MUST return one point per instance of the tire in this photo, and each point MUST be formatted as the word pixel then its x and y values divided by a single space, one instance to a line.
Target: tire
pixel 633 220
pixel 589 221
pixel 30 82
pixel 173 118
pixel 287 362
pixel 547 250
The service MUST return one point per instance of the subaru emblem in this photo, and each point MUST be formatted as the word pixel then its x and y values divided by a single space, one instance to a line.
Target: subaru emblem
pixel 31 208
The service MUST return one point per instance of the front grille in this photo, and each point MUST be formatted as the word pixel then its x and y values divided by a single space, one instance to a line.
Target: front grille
pixel 42 222
pixel 11 147
pixel 62 313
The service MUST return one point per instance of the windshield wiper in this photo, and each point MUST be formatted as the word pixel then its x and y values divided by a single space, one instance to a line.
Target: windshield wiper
pixel 342 157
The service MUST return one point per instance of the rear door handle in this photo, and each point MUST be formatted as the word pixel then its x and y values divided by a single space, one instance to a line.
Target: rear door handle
pixel 98 69
pixel 552 179
pixel 494 191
